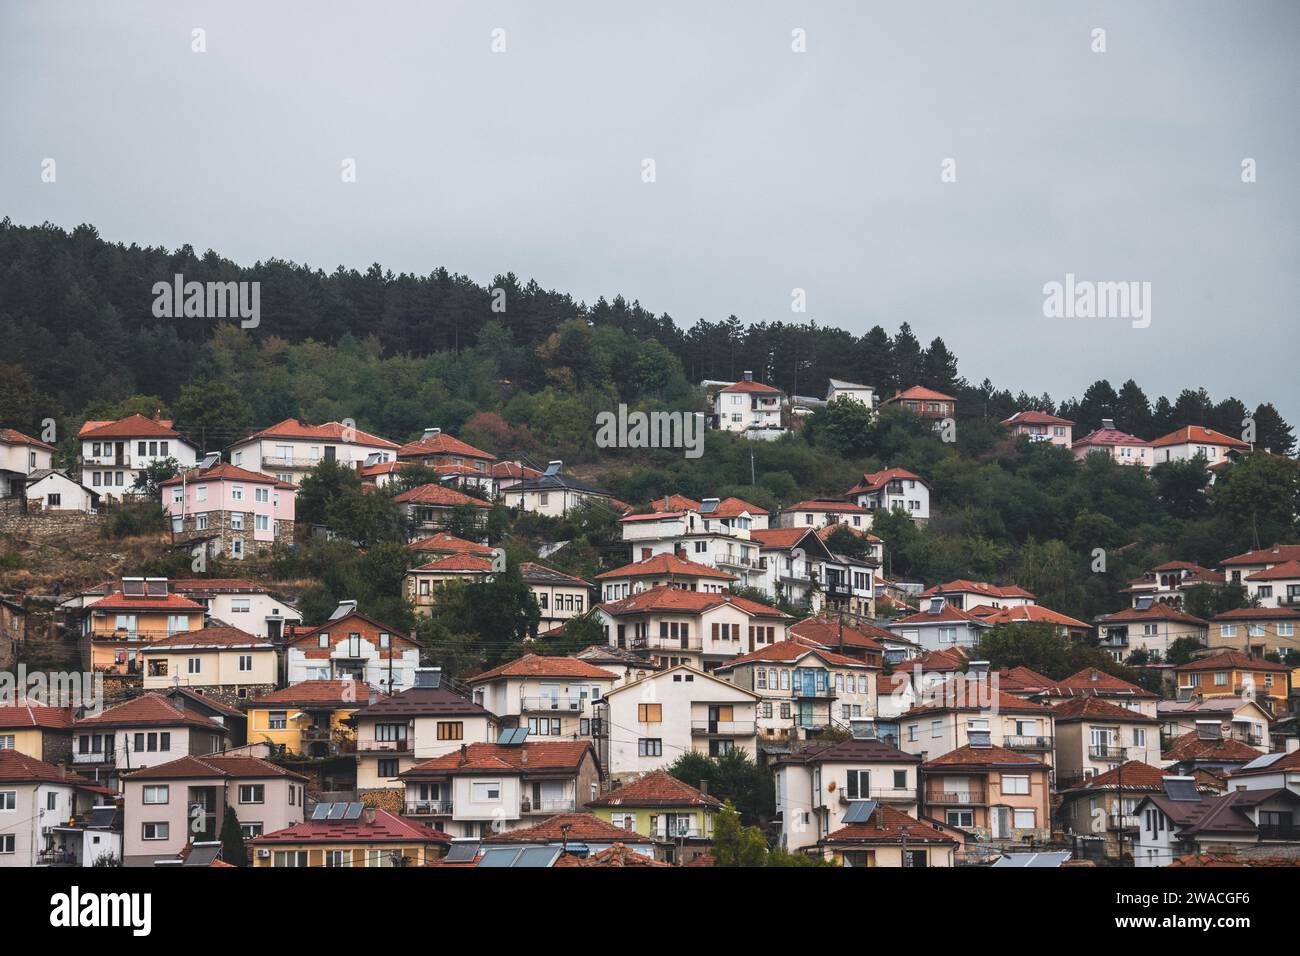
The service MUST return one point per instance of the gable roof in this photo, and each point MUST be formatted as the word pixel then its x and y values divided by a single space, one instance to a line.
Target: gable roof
pixel 1032 614
pixel 1286 571
pixel 1021 679
pixel 956 694
pixel 1190 747
pixel 211 639
pixel 1259 614
pixel 827 633
pixel 982 588
pixel 534 573
pixel 1098 683
pixel 874 481
pixel 329 431
pixel 658 788
pixel 581 828
pixel 668 598
pixel 1035 418
pixel 826 504
pixel 393 633
pixel 11 436
pixel 1109 436
pixel 438 495
pixel 457 562
pixel 133 426
pixel 659 675
pixel 1287 763
pixel 1156 612
pixel 442 444
pixel 117 601
pixel 1096 708
pixel 1277 554
pixel 337 693
pixel 385 828
pixel 788 653
pixel 1199 435
pixel 921 393
pixel 537 665
pixel 1230 660
pixel 852 750
pixel 980 757
pixel 18 767
pixel 669 564
pixel 450 544
pixel 1131 775
pixel 748 386
pixel 424 702
pixel 532 756
pixel 948 614
pixel 213 765
pixel 226 472
pixel 25 714
pixel 886 825
pixel 148 710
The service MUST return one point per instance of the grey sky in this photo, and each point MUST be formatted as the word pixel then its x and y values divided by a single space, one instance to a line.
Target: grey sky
pixel 775 170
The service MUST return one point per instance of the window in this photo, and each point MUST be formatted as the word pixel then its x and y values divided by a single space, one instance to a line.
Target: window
pixel 7 843
pixel 650 747
pixel 1025 819
pixel 200 492
pixel 1139 737
pixel 8 799
pixel 936 728
pixel 156 795
pixel 960 818
pixel 277 720
pixel 250 830
pixel 650 713
pixel 387 767
pixel 1285 629
pixel 1228 630
pixel 6 741
pixel 451 730
pixel 262 495
pixel 859 785
pixel 1220 678
pixel 245 662
pixel 900 779
pixel 155 831
pixel 911 731
pixel 289 858
pixel 485 790
pixel 338 858
pixel 237 521
pixel 1015 784
pixel 252 793
pixel 388 732
pixel 195 665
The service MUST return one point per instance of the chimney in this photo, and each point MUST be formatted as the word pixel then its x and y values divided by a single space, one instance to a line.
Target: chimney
pixel 431 433
pixel 681 553
pixel 464 754
pixel 1108 424
pixel 373 696
pixel 368 816
pixel 704 787
pixel 523 756
pixel 749 376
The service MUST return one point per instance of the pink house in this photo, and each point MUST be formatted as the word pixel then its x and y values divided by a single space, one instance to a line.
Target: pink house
pixel 167 806
pixel 1040 426
pixel 1124 448
pixel 239 511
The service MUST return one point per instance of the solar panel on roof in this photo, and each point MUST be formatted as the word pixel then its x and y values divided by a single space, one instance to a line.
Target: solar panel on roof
pixel 860 811
pixel 462 852
pixel 513 736
pixel 708 506
pixel 1181 790
pixel 499 856
pixel 538 856
pixel 1267 760
pixel 321 811
pixel 337 811
pixel 354 811
pixel 105 816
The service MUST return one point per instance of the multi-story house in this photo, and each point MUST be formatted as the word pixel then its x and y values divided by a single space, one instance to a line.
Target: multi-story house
pixel 435 448
pixel 860 641
pixel 677 816
pixel 1245 719
pixel 1207 749
pixel 968 595
pixel 794 565
pixel 237 512
pixel 114 453
pixel 1165 583
pixel 506 474
pixel 481 789
pixel 1091 682
pixel 424 583
pixel 1104 807
pixel 893 489
pixel 1042 427
pixel 312 718
pixel 184 801
pixel 703 629
pixel 560 597
pixel 1258 631
pixel 802 689
pixel 1119 445
pixel 888 837
pixel 940 626
pixel 1272 772
pixel 1093 735
pixel 224 663
pixel 996 795
pixel 550 696
pixel 37 801
pixel 353 646
pixel 1239 567
pixel 662 570
pixel 431 508
pixel 290 449
pixel 749 407
pixel 19 457
pixel 1193 441
pixel 37 730
pixel 351 835
pixel 732 547
pixel 556 494
pixel 244 604
pixel 420 723
pixel 142 732
pixel 442 544
pixel 819 513
pixel 961 711
pixel 925 402
pixel 1180 821
pixel 818 785
pixel 1062 625
pixel 119 625
pixel 1239 677
pixel 1278 586
pixel 650 722
pixel 1151 628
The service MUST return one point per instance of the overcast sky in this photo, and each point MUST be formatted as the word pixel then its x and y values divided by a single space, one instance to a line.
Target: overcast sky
pixel 775 170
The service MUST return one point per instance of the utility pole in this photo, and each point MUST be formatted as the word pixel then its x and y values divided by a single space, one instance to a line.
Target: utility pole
pixel 904 836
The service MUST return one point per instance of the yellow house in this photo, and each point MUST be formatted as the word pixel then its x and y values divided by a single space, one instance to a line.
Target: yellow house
pixel 142 613
pixel 224 662
pixel 310 718
pixel 350 835
pixel 37 731
pixel 678 817
pixel 1234 674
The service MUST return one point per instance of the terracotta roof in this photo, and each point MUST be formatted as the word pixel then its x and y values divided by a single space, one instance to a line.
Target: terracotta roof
pixel 873 481
pixel 669 564
pixel 921 393
pixel 443 444
pixel 744 386
pixel 1199 435
pixel 394 635
pixel 10 436
pixel 943 659
pixel 168 602
pixel 1156 612
pixel 984 589
pixel 1286 571
pixel 827 633
pixel 338 693
pixel 946 615
pixel 386 828
pixel 1021 679
pixel 133 426
pixel 1035 418
pixel 330 431
pixel 1132 775
pixel 886 825
pixel 675 503
pixel 582 828
pixel 225 472
pixel 534 573
pixel 1190 747
pixel 969 756
pixel 532 756
pixel 26 714
pixel 458 562
pixel 1032 614
pixel 1233 860
pixel 824 532
pixel 147 710
pixel 435 494
pixel 1231 660
pixel 450 544
pixel 536 665
pixel 1277 554
pixel 1288 763
pixel 1259 614
pixel 731 507
pixel 956 694
pixel 215 638
pixel 668 598
pixel 780 539
pixel 18 767
pixel 424 702
pixel 790 652
pixel 1096 682
pixel 658 788
pixel 853 750
pixel 826 504
pixel 512 469
pixel 1097 708
pixel 213 765
pixel 1109 436
pixel 616 855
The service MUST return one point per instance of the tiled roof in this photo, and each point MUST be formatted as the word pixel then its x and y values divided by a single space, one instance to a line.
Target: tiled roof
pixel 443 444
pixel 214 765
pixel 1233 860
pixel 668 598
pixel 205 586
pixel 534 573
pixel 1277 554
pixel 977 757
pixel 225 472
pixel 424 702
pixel 147 710
pixel 1190 747
pixel 339 693
pixel 1020 679
pixel 1033 614
pixel 825 504
pixel 921 393
pixel 982 588
pixel 779 539
pixel 734 507
pixel 658 788
pixel 435 494
pixel 1156 612
pixel 1199 435
pixel 10 436
pixel 1286 571
pixel 215 638
pixel 666 563
pixel 824 532
pixel 946 615
pixel 532 756
pixel 512 469
pixel 536 665
pixel 18 767
pixel 956 694
pixel 582 828
pixel 330 431
pixel 943 659
pixel 853 750
pixel 1259 614
pixel 450 544
pixel 458 562
pixel 1288 763
pixel 1035 418
pixel 1231 660
pixel 1097 708
pixel 168 602
pixel 1132 775
pixel 874 481
pixel 886 825
pixel 827 633
pixel 133 426
pixel 675 503
pixel 394 635
pixel 616 855
pixel 744 386
pixel 790 652
pixel 1109 436
pixel 385 828
pixel 1091 681
pixel 24 715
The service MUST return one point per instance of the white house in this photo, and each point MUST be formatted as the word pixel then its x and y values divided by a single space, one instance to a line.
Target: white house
pixel 893 489
pixel 354 646
pixel 1278 586
pixel 239 603
pixel 1192 440
pixel 941 625
pixel 1042 427
pixel 859 393
pixel 57 492
pixel 38 801
pixel 290 449
pixel 555 493
pixel 20 456
pixel 113 453
pixel 749 405
pixel 141 732
pixel 821 512
pixel 662 570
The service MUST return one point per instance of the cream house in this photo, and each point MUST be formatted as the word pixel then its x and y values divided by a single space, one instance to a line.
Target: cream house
pixel 19 457
pixel 1094 736
pixel 221 662
pixel 290 449
pixel 560 597
pixel 550 696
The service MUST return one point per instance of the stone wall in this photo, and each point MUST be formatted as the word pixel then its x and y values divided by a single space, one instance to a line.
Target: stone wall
pixel 44 524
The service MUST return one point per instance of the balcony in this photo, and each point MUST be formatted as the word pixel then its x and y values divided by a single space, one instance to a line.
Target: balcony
pixel 554 805
pixel 815 693
pixel 1288 600
pixel 669 834
pixel 1123 821
pixel 880 794
pixel 1271 832
pixel 288 461
pixel 968 796
pixel 428 808
pixel 553 705
pixel 668 643
pixel 1030 742
pixel 1107 752
pixel 370 745
pixel 95 757
pixel 723 728
pixel 732 561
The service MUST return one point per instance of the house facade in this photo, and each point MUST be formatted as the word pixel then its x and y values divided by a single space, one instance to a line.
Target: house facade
pixel 748 406
pixel 552 697
pixel 1042 427
pixel 672 813
pixel 1094 735
pixel 1152 628
pixel 1196 441
pixel 20 456
pixel 289 450
pixel 354 646
pixel 37 801
pixel 238 511
pixel 996 795
pixel 118 626
pixel 114 453
pixel 560 597
pixel 1258 631
pixel 142 732
pixel 224 663
pixel 1119 445
pixel 371 838
pixel 893 489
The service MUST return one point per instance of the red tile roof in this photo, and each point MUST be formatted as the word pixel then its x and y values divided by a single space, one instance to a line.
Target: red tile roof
pixel 669 564
pixel 1109 436
pixel 225 472
pixel 1098 683
pixel 10 436
pixel 1021 679
pixel 828 633
pixel 148 710
pixel 512 469
pixel 443 444
pixel 886 825
pixel 616 855
pixel 977 757
pixel 1288 762
pixel 1035 418
pixel 1259 614
pixel 1231 660
pixel 214 765
pixel 536 665
pixel 308 693
pixel 393 633
pixel 1033 614
pixel 582 828
pixel 668 598
pixel 1233 860
pixel 1286 571
pixel 450 544
pixel 958 694
pixel 458 562
pixel 133 426
pixel 18 767
pixel 29 715
pixel 385 828
pixel 962 586
pixel 921 393
pixel 165 603
pixel 658 788
pixel 330 431
pixel 1277 554
pixel 874 481
pixel 825 504
pixel 779 539
pixel 789 652
pixel 744 386
pixel 1132 775
pixel 1199 435
pixel 1190 747
pixel 734 507
pixel 1156 612
pixel 947 614
pixel 215 638
pixel 826 531
pixel 434 494
pixel 1096 708
pixel 675 503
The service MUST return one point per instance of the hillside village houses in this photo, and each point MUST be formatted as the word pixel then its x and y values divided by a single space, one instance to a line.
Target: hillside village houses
pixel 290 449
pixel 1240 678
pixel 1094 735
pixel 353 646
pixel 114 453
pixel 1042 427
pixel 556 494
pixel 1194 441
pixel 749 407
pixel 238 512
pixel 560 597
pixel 662 570
pixel 1165 583
pixel 116 627
pixel 224 663
pixel 864 394
pixel 423 583
pixel 37 801
pixel 21 455
pixel 1150 627
pixel 1120 445
pixel 54 491
pixel 550 696
pixel 890 490
pixel 430 508
pixel 240 603
pixel 1258 631
pixel 925 403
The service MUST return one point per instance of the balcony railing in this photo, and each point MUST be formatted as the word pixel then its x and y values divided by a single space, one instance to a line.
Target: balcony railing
pixel 1268 831
pixel 1288 600
pixel 1124 821
pixel 1107 752
pixel 288 461
pixel 371 745
pixel 731 560
pixel 98 756
pixel 554 705
pixel 668 643
pixel 723 728
pixel 555 805
pixel 966 797
pixel 816 693
pixel 136 636
pixel 1028 742
pixel 888 794
pixel 428 808
pixel 668 834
